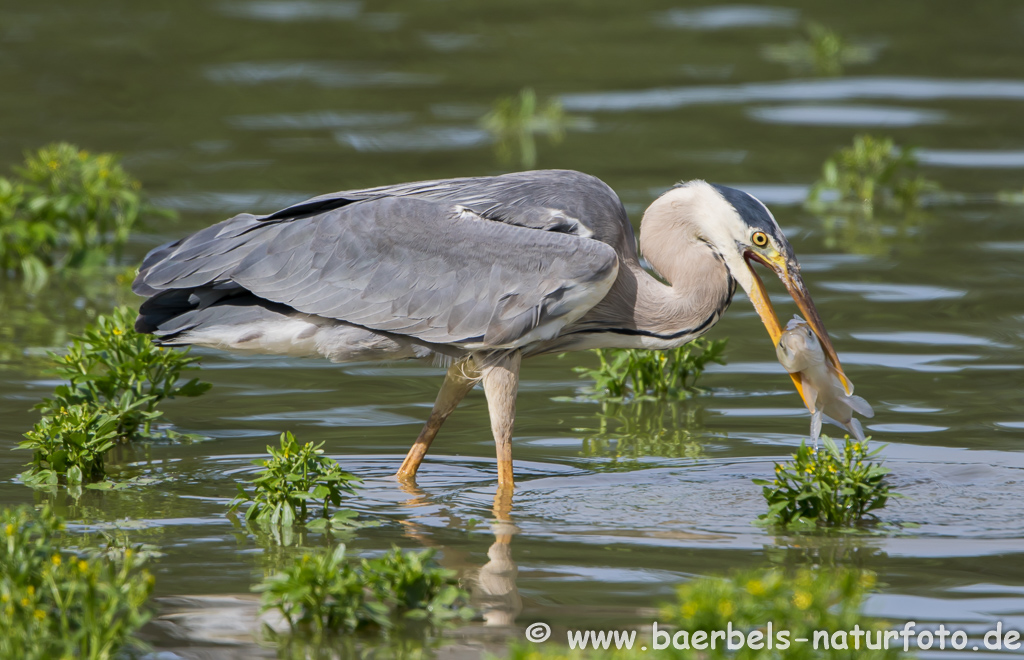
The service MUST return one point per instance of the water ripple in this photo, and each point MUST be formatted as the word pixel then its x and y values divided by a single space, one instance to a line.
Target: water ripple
pixel 727 16
pixel 843 89
pixel 292 10
pixel 324 74
pixel 845 115
pixel 878 292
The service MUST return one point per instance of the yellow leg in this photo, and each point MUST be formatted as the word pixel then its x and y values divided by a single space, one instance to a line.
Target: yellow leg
pixel 458 382
pixel 501 384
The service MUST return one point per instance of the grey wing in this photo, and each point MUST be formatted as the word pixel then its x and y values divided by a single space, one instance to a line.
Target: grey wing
pixel 401 265
pixel 562 201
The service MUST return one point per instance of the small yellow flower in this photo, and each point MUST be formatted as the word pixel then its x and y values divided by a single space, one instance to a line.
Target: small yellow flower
pixel 117 332
pixel 56 560
pixel 9 529
pixel 83 565
pixel 53 164
pixel 688 610
pixel 39 614
pixel 31 590
pixel 802 600
pixel 725 608
pixel 128 553
pixel 755 587
pixel 24 602
pixel 809 470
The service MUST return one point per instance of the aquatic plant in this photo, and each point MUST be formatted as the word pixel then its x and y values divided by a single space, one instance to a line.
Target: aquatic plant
pixel 115 377
pixel 627 433
pixel 800 602
pixel 755 607
pixel 514 121
pixel 69 446
pixel 831 487
pixel 822 50
pixel 871 174
pixel 115 369
pixel 294 479
pixel 327 591
pixel 58 605
pixel 65 209
pixel 630 373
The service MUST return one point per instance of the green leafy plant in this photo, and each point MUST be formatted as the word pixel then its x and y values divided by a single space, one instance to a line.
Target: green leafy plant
pixel 627 433
pixel 295 479
pixel 114 368
pixel 69 445
pixel 514 121
pixel 758 604
pixel 66 208
pixel 831 487
pixel 327 591
pixel 58 605
pixel 116 378
pixel 629 373
pixel 873 173
pixel 822 50
pixel 801 602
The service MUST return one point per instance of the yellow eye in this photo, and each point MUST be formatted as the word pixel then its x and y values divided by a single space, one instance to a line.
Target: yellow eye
pixel 759 238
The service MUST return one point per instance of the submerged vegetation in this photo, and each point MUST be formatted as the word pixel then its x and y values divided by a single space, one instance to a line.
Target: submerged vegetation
pixel 330 592
pixel 115 380
pixel 822 50
pixel 295 479
pixel 869 194
pixel 636 374
pixel 833 487
pixel 515 121
pixel 873 174
pixel 65 209
pixel 54 604
pixel 628 433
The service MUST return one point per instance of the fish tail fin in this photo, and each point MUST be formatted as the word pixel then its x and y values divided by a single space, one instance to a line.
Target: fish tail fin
pixel 858 404
pixel 857 429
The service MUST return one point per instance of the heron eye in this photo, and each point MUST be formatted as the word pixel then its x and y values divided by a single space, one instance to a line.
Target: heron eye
pixel 759 238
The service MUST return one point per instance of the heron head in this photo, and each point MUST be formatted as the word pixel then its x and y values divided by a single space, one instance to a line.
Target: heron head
pixel 744 233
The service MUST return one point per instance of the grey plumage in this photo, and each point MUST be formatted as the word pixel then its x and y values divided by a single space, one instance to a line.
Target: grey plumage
pixel 447 262
pixel 480 272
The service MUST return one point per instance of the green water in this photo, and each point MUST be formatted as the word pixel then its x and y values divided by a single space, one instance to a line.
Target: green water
pixel 220 107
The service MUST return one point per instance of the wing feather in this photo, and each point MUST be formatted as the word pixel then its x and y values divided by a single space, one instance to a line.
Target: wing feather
pixel 402 264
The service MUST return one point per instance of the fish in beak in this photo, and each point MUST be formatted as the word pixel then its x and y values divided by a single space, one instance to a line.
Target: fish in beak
pixel 788 271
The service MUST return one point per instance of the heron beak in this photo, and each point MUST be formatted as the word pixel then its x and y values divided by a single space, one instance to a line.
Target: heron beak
pixel 789 272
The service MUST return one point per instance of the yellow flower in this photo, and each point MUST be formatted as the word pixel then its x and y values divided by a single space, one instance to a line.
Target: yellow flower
pixel 83 565
pixel 725 608
pixel 802 600
pixel 755 588
pixel 688 610
pixel 9 529
pixel 128 553
pixel 117 332
pixel 53 164
pixel 24 602
pixel 809 470
pixel 56 560
pixel 31 590
pixel 39 614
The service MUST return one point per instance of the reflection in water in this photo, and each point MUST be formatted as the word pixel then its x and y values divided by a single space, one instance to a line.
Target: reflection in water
pixel 628 432
pixel 495 592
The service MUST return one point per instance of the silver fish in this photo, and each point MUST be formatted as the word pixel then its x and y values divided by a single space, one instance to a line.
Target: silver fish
pixel 799 351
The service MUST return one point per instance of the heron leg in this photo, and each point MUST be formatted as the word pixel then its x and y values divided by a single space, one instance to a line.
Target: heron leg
pixel 459 380
pixel 501 383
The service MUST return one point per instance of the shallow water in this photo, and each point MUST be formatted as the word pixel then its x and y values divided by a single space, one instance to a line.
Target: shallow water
pixel 223 107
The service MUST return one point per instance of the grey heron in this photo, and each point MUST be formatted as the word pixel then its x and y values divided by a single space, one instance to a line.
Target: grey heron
pixel 479 271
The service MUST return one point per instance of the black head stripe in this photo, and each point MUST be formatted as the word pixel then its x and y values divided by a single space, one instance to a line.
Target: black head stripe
pixel 750 209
